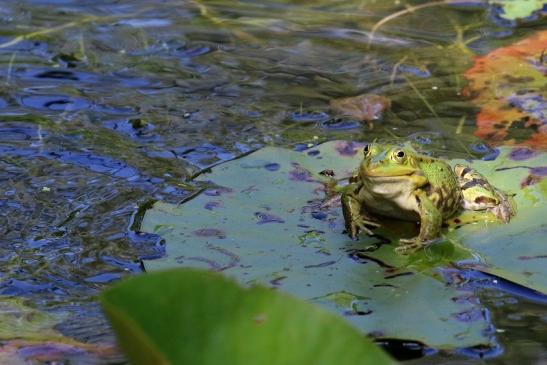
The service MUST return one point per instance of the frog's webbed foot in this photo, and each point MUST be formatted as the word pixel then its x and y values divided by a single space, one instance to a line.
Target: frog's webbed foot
pixel 411 245
pixel 359 225
pixel 506 209
pixel 355 219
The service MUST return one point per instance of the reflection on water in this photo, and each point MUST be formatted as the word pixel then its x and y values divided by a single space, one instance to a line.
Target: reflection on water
pixel 112 104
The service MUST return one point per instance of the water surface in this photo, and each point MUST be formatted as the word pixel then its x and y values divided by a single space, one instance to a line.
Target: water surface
pixel 106 106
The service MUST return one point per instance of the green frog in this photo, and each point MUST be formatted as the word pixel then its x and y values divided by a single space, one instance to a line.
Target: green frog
pixel 396 181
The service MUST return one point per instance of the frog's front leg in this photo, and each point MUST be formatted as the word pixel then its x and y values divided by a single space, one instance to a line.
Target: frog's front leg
pixel 355 220
pixel 430 224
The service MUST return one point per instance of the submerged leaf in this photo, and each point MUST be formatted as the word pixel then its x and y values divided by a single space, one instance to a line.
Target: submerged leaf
pixel 198 317
pixel 17 320
pixel 364 108
pixel 29 335
pixel 509 86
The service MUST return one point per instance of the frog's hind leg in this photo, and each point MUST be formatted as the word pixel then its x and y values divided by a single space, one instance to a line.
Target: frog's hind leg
pixel 479 194
pixel 356 221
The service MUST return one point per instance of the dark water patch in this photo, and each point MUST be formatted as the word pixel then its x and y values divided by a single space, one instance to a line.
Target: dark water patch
pixel 191 52
pixel 58 75
pixel 159 154
pixel 532 257
pixel 134 82
pixel 272 166
pixel 308 117
pixel 125 265
pixel 522 153
pixel 322 264
pixel 210 232
pixel 96 163
pixel 422 138
pixel 319 215
pixel 218 191
pixel 470 279
pixel 54 102
pixel 33 47
pixel 358 312
pixel 486 153
pixel 67 60
pixel 148 245
pixel 204 156
pixel 103 278
pixel 539 171
pixel 403 350
pixel 277 281
pixel 340 124
pixel 145 23
pixel 264 218
pixel 106 109
pixel 471 315
pixel 482 351
pixel 233 259
pixel 136 128
pixel 300 147
pixel 213 265
pixel 20 132
pixel 212 205
pixel 492 155
pixel 480 148
pixel 414 71
pixel 24 287
pixel 359 36
pixel 346 148
pixel 360 256
pixel 47 244
pixel 396 275
pixel 298 173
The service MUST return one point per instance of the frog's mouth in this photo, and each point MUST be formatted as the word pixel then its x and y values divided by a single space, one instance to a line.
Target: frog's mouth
pixel 387 173
pixel 387 180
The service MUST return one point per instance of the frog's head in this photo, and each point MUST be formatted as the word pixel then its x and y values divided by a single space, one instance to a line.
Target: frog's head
pixel 388 160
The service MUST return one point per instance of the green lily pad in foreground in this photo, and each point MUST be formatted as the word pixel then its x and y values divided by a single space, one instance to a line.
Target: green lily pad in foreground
pixel 197 317
pixel 266 223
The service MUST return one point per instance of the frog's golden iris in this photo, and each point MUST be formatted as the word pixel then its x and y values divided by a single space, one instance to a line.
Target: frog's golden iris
pixel 398 182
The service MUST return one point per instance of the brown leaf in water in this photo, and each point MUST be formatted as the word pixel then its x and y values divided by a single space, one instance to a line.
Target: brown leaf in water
pixel 364 108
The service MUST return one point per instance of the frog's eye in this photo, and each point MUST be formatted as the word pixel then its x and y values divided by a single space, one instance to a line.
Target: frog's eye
pixel 400 154
pixel 366 149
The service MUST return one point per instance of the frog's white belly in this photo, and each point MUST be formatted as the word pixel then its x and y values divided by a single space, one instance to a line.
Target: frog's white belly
pixel 390 197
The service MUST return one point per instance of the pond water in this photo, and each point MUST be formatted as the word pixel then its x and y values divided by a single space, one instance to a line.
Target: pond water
pixel 107 106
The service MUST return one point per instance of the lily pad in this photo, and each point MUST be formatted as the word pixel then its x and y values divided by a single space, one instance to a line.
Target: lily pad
pixel 219 322
pixel 265 222
pixel 514 251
